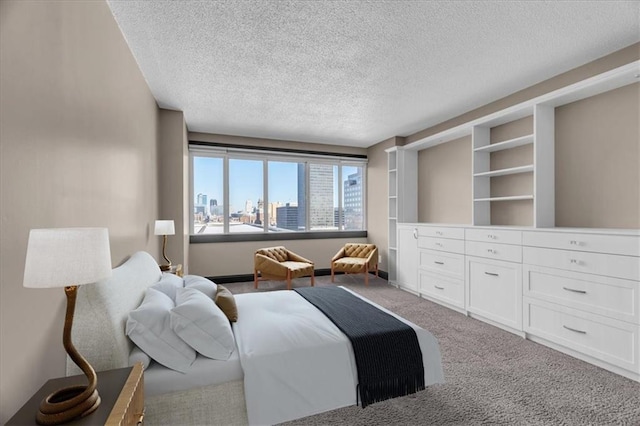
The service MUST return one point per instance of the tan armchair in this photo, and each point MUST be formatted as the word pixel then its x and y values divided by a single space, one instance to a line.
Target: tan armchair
pixel 278 263
pixel 356 259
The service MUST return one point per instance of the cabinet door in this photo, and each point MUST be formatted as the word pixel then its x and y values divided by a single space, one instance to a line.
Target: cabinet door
pixel 495 291
pixel 407 261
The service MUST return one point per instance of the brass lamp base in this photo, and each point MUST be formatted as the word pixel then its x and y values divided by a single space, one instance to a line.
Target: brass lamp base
pixel 165 267
pixel 60 407
pixel 76 401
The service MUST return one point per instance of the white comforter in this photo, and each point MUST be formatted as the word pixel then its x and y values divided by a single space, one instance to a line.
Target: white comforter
pixel 297 363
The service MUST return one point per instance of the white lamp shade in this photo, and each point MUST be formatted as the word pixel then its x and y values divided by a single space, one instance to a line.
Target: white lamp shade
pixel 62 257
pixel 164 227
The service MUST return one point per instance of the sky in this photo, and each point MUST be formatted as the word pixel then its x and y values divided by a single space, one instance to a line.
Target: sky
pixel 246 181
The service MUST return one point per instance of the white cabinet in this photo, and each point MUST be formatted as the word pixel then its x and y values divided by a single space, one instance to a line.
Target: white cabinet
pixel 407 273
pixel 582 295
pixel 494 276
pixel 441 265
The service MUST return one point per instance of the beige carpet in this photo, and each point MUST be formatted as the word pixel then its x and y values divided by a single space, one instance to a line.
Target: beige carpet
pixel 492 377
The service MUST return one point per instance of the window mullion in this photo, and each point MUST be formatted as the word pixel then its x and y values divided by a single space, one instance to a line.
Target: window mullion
pixel 265 195
pixel 225 192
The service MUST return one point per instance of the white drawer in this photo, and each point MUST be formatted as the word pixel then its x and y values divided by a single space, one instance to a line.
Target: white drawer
pixel 441 232
pixel 612 244
pixel 445 263
pixel 495 291
pixel 592 263
pixel 494 236
pixel 609 340
pixel 448 290
pixel 506 252
pixel 611 297
pixel 442 244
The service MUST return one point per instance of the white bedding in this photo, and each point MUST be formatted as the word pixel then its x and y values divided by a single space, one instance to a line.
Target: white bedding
pixel 297 363
pixel 203 372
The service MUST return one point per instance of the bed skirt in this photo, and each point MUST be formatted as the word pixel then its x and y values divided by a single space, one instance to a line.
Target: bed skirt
pixel 210 405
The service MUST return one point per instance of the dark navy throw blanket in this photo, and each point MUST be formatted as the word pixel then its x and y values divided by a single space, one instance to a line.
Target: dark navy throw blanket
pixel 388 356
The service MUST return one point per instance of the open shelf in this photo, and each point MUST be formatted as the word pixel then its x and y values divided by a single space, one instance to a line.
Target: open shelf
pixel 512 143
pixel 510 198
pixel 503 172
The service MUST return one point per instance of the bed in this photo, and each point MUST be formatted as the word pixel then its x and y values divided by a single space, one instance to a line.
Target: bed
pixel 215 391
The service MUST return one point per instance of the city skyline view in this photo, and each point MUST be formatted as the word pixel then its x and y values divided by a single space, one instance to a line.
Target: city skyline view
pixel 246 181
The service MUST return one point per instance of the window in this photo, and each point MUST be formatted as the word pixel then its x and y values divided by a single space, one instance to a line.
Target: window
pixel 253 191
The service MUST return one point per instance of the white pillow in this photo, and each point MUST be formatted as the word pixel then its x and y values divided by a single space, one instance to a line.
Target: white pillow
pixel 168 284
pixel 206 286
pixel 149 327
pixel 199 322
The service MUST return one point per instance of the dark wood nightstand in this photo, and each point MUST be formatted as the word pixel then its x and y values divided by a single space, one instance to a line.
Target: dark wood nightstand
pixel 121 391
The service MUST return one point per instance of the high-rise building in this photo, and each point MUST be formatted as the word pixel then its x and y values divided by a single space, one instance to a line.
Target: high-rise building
pixel 273 212
pixel 321 179
pixel 201 199
pixel 302 197
pixel 287 217
pixel 352 205
pixel 248 206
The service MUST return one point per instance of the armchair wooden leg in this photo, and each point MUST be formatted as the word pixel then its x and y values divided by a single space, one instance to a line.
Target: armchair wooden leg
pixel 332 273
pixel 366 275
pixel 255 278
pixel 377 276
pixel 288 280
pixel 313 283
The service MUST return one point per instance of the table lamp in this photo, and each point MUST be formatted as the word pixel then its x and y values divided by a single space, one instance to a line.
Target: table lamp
pixel 164 228
pixel 68 257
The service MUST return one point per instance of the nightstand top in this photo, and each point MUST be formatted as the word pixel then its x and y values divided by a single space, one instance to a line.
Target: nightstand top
pixel 110 384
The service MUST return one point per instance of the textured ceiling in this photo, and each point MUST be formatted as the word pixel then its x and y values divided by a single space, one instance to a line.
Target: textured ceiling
pixel 357 72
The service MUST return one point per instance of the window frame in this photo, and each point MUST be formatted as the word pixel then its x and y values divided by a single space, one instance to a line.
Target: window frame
pixel 227 152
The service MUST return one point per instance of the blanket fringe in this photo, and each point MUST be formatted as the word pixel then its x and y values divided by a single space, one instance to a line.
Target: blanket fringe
pixel 382 390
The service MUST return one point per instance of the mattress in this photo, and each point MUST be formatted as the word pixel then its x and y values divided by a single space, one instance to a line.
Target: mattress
pixel 203 372
pixel 297 363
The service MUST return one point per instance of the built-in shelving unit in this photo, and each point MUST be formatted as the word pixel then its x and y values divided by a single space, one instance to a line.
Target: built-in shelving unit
pixel 541 195
pixel 541 164
pixel 403 199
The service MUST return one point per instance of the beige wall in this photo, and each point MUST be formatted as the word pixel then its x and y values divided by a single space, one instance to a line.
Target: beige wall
pixel 78 129
pixel 236 258
pixel 222 259
pixel 173 183
pixel 614 60
pixel 444 183
pixel 598 161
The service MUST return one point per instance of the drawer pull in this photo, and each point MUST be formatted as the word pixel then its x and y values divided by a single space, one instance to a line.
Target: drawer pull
pixel 415 233
pixel 438 263
pixel 439 288
pixel 493 274
pixel 576 261
pixel 438 244
pixel 492 251
pixel 491 236
pixel 438 232
pixel 575 330
pixel 574 290
pixel 575 243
